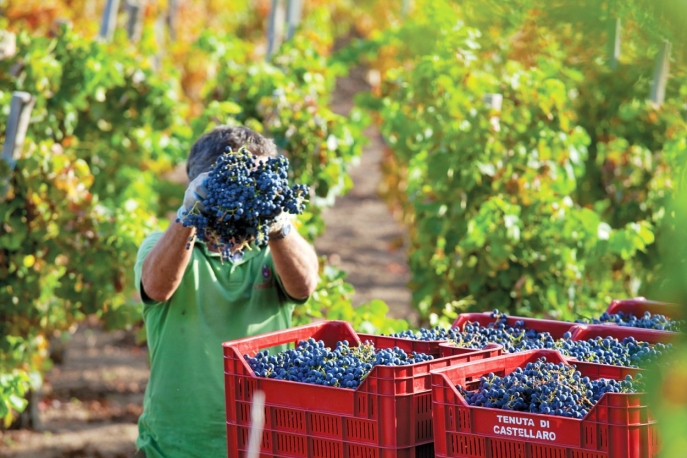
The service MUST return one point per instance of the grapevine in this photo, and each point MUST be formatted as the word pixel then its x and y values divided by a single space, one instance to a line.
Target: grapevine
pixel 245 197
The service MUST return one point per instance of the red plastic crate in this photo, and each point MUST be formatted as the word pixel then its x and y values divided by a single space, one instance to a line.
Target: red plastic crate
pixel 433 347
pixel 429 347
pixel 639 305
pixel 652 336
pixel 555 328
pixel 618 426
pixel 591 331
pixel 391 409
pixel 277 444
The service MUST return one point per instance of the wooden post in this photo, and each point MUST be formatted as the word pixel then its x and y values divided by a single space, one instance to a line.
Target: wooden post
pixel 17 125
pixel 160 40
pixel 133 24
pixel 89 8
pixel 8 44
pixel 614 30
pixel 30 418
pixel 494 102
pixel 293 17
pixel 658 85
pixel 109 21
pixel 405 8
pixel 172 15
pixel 274 28
pixel 8 49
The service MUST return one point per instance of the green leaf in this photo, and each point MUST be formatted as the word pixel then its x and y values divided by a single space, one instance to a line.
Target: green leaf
pixel 17 403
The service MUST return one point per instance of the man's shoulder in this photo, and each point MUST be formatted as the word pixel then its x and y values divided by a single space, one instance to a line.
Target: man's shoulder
pixel 147 244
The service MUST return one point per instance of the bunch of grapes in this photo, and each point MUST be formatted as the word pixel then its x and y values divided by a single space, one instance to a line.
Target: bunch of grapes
pixel 546 388
pixel 646 321
pixel 476 336
pixel 435 334
pixel 628 352
pixel 345 366
pixel 245 196
pixel 608 350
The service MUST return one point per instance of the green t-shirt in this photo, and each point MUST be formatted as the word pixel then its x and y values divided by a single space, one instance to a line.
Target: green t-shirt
pixel 184 409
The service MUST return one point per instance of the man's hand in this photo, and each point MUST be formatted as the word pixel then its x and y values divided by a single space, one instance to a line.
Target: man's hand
pixel 283 220
pixel 193 197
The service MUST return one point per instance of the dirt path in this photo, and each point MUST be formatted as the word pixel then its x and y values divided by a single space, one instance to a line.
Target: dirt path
pixel 92 401
pixel 362 237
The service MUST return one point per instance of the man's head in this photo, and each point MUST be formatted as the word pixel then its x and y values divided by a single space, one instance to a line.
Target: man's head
pixel 209 146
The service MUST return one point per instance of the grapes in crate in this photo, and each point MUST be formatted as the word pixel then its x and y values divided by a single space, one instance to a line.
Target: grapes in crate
pixel 627 352
pixel 345 366
pixel 546 388
pixel 646 321
pixel 245 197
pixel 428 335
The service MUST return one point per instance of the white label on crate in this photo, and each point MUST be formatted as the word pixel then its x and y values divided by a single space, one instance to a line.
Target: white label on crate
pixel 528 433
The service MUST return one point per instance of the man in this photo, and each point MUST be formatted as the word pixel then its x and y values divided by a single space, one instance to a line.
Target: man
pixel 194 301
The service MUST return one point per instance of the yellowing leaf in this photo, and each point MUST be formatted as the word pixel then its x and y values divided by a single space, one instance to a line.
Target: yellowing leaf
pixel 29 260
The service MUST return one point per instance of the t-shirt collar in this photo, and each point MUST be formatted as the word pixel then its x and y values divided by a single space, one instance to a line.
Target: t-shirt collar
pixel 247 253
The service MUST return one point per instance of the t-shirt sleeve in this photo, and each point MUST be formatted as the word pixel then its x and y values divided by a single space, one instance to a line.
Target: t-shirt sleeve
pixel 282 290
pixel 147 245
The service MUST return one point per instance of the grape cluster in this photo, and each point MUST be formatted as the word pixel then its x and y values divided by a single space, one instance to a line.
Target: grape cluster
pixel 608 350
pixel 546 388
pixel 345 366
pixel 435 334
pixel 628 352
pixel 245 196
pixel 646 321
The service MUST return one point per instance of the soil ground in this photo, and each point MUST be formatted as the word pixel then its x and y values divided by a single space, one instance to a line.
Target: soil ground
pixel 361 235
pixel 90 402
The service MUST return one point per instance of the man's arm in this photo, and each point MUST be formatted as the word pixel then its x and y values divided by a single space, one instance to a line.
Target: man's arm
pixel 164 266
pixel 296 264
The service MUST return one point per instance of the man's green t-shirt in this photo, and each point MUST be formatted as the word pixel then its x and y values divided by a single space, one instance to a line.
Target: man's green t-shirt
pixel 184 409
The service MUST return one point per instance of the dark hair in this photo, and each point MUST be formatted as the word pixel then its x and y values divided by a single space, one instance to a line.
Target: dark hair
pixel 210 145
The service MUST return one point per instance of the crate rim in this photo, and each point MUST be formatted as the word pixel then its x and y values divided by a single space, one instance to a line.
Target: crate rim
pixel 544 321
pixel 279 333
pixel 660 307
pixel 661 336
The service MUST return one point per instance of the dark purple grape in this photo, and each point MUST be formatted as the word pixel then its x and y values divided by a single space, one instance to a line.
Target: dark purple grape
pixel 245 196
pixel 345 366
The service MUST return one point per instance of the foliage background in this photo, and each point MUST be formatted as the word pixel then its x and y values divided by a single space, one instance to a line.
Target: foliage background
pixel 550 203
pixel 564 197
